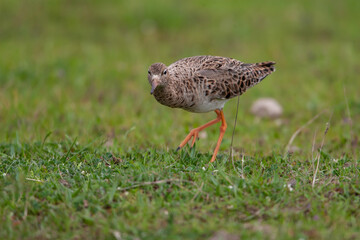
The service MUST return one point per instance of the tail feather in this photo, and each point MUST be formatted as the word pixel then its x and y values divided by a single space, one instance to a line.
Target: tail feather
pixel 267 65
pixel 263 69
pixel 258 71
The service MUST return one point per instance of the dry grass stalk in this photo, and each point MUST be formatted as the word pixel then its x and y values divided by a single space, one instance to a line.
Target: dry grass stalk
pixel 299 130
pixel 155 183
pixel 232 137
pixel 319 153
pixel 313 149
pixel 233 133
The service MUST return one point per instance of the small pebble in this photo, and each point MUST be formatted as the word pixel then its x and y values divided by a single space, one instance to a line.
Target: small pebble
pixel 267 108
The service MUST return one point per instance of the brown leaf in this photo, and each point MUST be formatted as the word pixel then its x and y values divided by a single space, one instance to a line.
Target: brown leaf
pixel 65 183
pixel 86 204
pixel 222 235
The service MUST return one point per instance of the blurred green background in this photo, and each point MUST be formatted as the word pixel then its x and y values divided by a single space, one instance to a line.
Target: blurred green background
pixel 79 69
pixel 76 72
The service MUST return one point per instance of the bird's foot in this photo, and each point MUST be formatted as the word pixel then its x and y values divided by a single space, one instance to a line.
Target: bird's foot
pixel 194 134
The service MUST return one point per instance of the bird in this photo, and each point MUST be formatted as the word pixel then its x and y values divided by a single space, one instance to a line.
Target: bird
pixel 201 84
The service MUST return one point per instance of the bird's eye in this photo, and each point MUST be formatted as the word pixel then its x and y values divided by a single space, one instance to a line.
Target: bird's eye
pixel 149 72
pixel 165 72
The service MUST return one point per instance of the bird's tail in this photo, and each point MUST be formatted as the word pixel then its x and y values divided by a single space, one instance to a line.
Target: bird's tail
pixel 255 73
pixel 267 67
pixel 260 70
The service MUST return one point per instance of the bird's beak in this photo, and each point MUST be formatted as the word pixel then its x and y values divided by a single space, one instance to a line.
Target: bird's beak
pixel 154 84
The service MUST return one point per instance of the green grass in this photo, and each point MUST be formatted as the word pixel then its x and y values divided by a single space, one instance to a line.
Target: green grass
pixel 64 190
pixel 87 152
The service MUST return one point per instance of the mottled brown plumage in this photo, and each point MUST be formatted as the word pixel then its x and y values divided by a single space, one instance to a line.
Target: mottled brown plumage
pixel 204 83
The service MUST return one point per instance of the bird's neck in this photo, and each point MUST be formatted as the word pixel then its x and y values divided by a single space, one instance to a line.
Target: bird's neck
pixel 167 95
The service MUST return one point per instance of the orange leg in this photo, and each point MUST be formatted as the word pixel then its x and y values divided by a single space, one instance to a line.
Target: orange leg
pixel 222 132
pixel 195 132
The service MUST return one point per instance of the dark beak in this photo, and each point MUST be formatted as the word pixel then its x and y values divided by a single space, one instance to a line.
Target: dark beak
pixel 153 86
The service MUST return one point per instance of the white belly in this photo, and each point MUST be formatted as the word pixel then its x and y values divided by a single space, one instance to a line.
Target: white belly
pixel 207 106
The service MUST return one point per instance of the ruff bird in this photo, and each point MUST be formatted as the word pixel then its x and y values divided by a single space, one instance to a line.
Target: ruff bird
pixel 202 84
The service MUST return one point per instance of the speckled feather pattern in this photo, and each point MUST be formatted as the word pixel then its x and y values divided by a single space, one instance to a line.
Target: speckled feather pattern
pixel 205 83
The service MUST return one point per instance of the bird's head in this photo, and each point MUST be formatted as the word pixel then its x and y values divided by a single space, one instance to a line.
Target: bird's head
pixel 157 76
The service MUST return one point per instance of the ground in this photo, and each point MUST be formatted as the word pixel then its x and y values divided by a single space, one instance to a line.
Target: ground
pixel 87 152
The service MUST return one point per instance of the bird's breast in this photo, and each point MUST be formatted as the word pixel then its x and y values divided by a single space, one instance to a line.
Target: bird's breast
pixel 188 93
pixel 205 105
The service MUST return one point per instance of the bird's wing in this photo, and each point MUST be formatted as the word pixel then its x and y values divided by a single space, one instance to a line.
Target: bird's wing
pixel 226 82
